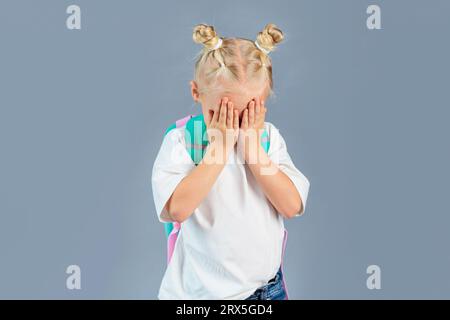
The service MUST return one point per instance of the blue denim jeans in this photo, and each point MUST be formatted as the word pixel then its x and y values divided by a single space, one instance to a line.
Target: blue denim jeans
pixel 273 290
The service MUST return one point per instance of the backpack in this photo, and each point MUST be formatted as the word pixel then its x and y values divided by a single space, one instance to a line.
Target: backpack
pixel 196 143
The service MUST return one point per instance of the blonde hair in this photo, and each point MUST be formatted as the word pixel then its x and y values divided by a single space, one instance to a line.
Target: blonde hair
pixel 234 59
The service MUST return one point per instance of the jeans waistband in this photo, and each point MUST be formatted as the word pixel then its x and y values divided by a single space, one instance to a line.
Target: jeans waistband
pixel 276 278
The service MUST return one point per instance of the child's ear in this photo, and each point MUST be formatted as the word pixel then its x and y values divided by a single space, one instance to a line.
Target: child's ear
pixel 194 90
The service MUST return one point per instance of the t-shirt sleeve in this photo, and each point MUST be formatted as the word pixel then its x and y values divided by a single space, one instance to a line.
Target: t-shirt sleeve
pixel 279 155
pixel 172 164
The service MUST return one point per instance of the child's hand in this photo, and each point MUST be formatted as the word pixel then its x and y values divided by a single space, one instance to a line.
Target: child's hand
pixel 224 124
pixel 252 124
pixel 254 115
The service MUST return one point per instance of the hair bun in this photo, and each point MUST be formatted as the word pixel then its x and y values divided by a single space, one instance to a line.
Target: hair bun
pixel 205 35
pixel 269 37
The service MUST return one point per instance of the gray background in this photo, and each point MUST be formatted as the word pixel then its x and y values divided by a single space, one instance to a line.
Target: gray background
pixel 364 114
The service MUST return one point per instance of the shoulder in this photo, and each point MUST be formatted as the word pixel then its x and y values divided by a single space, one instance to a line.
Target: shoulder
pixel 173 140
pixel 175 136
pixel 173 149
pixel 270 128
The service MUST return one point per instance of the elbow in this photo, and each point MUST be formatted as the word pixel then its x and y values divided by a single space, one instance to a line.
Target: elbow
pixel 176 214
pixel 295 209
pixel 178 217
pixel 294 206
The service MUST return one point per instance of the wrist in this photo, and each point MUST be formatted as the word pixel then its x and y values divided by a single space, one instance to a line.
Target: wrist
pixel 217 152
pixel 250 149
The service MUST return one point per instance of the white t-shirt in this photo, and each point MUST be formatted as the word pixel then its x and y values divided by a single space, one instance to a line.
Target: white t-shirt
pixel 232 243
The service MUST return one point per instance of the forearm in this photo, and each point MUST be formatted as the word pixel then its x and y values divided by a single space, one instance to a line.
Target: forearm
pixel 191 190
pixel 276 185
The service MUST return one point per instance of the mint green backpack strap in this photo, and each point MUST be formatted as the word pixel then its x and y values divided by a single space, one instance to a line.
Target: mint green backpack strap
pixel 265 141
pixel 196 138
pixel 168 227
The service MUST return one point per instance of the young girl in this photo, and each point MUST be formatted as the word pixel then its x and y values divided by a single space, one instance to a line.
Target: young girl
pixel 232 204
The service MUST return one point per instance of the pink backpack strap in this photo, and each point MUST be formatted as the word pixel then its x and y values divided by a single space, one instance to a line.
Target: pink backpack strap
pixel 173 235
pixel 181 122
pixel 171 240
pixel 282 258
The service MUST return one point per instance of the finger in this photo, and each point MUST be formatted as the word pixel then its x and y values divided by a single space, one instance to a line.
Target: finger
pixel 215 117
pixel 210 116
pixel 244 124
pixel 230 115
pixel 236 119
pixel 251 113
pixel 223 111
pixel 257 105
